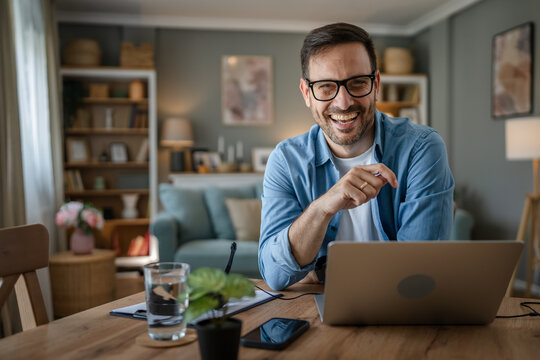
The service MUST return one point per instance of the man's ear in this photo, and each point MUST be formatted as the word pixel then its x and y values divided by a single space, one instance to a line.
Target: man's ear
pixel 304 89
pixel 376 85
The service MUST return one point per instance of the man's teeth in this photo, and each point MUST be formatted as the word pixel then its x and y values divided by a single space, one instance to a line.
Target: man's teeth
pixel 343 117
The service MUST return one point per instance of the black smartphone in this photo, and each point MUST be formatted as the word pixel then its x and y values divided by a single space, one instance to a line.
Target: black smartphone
pixel 275 334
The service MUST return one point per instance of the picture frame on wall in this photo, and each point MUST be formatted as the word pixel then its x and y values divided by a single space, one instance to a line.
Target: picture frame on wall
pixel 512 72
pixel 247 90
pixel 259 158
pixel 77 150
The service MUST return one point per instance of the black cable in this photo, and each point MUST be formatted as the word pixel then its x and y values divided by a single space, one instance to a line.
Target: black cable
pixel 524 304
pixel 231 257
pixel 282 298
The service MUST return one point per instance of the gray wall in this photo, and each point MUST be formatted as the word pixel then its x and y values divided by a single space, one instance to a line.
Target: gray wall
pixel 492 188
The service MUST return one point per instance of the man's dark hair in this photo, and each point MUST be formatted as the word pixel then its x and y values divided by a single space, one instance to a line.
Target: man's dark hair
pixel 327 36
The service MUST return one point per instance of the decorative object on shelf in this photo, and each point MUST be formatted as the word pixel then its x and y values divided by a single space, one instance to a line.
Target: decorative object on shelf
pixel 219 336
pixel 118 152
pixel 99 183
pixel 130 206
pixel 398 61
pixel 512 81
pixel 103 157
pixel 137 56
pixel 143 153
pixel 411 113
pixel 245 167
pixel 99 91
pixel 177 134
pixel 109 112
pixel 82 52
pixel 221 147
pixel 247 90
pixel 260 157
pixel 77 150
pixel 84 218
pixel 136 90
pixel 239 152
pixel 523 143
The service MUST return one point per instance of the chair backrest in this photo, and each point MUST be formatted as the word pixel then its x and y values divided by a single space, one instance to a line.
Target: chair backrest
pixel 23 249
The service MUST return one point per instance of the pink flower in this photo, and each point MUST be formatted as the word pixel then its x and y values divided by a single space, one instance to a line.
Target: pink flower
pixel 75 213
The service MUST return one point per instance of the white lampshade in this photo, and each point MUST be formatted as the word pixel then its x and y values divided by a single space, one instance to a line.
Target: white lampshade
pixel 176 133
pixel 523 138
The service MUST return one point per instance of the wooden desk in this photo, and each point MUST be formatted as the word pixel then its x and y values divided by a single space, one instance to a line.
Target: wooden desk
pixel 93 334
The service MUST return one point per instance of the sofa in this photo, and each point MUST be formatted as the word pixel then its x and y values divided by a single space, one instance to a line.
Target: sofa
pixel 198 225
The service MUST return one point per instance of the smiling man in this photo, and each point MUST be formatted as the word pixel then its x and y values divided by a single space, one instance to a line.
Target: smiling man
pixel 357 175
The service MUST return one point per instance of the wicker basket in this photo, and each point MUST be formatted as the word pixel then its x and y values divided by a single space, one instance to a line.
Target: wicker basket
pixel 398 61
pixel 82 52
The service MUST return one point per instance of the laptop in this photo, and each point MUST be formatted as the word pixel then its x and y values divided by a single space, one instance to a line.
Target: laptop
pixel 406 283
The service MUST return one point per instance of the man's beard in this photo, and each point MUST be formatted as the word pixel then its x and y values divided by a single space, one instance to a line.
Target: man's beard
pixel 366 118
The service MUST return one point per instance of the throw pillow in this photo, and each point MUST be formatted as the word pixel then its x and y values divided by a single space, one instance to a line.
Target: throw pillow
pixel 187 206
pixel 215 200
pixel 246 218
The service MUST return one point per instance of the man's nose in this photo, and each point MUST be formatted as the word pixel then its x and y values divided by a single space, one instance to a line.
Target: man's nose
pixel 343 99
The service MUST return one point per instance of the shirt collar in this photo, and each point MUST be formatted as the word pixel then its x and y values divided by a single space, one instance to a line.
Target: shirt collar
pixel 324 154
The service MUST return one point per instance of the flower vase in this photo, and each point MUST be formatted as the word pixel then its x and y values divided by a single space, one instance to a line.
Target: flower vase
pixel 130 206
pixel 80 242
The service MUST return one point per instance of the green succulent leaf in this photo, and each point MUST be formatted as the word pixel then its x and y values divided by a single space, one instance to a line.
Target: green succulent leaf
pixel 207 279
pixel 237 286
pixel 200 306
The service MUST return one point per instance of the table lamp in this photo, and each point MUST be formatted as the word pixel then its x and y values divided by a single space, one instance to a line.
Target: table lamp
pixel 177 134
pixel 523 143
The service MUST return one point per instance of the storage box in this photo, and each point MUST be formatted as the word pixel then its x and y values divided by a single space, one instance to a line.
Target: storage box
pixel 99 90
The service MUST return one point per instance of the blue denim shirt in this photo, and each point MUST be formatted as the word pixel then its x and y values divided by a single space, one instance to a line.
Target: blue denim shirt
pixel 301 169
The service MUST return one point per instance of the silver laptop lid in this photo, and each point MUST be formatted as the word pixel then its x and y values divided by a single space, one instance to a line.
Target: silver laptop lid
pixel 431 282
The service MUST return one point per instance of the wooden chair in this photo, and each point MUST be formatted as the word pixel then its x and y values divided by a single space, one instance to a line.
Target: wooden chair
pixel 23 249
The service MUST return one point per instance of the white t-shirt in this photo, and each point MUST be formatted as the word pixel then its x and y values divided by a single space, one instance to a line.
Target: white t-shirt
pixel 356 224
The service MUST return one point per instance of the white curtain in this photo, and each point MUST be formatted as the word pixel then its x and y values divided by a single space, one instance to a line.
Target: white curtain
pixel 35 121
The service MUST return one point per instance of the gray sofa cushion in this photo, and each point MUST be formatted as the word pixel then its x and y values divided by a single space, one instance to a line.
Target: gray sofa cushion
pixel 187 206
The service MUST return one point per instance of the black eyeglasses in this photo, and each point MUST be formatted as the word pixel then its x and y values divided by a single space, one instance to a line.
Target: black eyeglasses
pixel 357 86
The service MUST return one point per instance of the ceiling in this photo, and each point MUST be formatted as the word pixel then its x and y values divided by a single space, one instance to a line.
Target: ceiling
pixel 384 17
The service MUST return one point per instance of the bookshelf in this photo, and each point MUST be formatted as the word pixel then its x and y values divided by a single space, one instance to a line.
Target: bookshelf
pixel 111 149
pixel 404 96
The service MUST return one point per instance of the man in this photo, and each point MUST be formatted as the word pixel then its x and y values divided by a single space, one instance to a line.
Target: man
pixel 356 175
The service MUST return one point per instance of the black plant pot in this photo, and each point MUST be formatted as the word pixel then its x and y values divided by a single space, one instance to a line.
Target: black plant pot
pixel 219 342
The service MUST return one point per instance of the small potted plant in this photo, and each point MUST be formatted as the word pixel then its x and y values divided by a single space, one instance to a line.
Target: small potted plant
pixel 210 290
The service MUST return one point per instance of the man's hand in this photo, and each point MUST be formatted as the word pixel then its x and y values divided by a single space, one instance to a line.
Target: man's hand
pixel 358 186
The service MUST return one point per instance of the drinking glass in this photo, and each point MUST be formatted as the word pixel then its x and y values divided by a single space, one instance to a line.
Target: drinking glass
pixel 164 281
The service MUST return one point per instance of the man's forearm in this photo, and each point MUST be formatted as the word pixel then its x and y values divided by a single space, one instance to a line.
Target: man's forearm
pixel 306 233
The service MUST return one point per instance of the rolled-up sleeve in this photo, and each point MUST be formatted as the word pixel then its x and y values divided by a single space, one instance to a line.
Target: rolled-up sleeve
pixel 427 210
pixel 280 207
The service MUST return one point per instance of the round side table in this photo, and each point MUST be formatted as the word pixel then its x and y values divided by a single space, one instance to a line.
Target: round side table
pixel 80 282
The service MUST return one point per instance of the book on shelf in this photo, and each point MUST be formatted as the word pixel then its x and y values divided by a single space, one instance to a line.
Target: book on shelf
pixel 411 93
pixel 142 155
pixel 73 180
pixel 140 245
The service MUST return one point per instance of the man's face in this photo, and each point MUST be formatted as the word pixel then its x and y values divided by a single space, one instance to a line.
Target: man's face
pixel 346 121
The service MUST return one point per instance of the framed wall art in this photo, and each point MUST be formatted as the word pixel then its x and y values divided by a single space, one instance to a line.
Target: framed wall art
pixel 259 157
pixel 247 90
pixel 512 75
